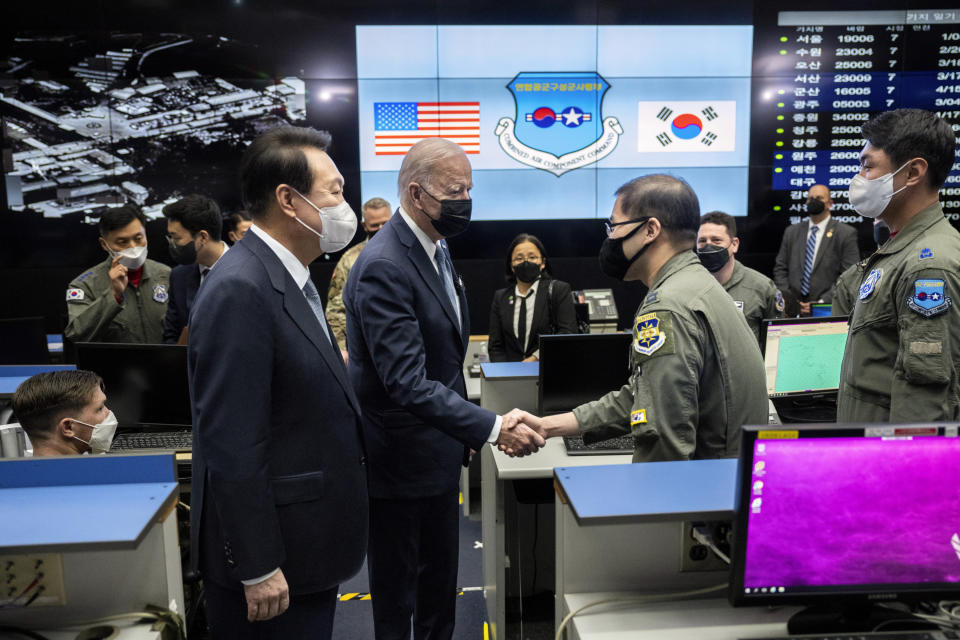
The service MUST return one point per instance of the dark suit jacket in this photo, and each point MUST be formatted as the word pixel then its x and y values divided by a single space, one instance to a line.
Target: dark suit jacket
pixel 278 473
pixel 184 283
pixel 838 250
pixel 551 314
pixel 406 364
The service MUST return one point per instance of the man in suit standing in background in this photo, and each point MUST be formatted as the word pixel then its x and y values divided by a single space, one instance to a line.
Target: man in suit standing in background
pixel 407 332
pixel 279 512
pixel 193 235
pixel 814 253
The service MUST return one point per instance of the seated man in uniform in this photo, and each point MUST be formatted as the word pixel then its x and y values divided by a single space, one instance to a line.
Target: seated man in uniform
pixel 697 373
pixel 753 293
pixel 124 298
pixel 65 413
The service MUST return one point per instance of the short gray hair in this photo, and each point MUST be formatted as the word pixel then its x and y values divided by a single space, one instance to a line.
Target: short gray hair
pixel 666 198
pixel 420 162
pixel 375 203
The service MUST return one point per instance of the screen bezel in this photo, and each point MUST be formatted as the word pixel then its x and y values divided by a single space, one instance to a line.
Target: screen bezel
pixel 827 595
pixel 772 322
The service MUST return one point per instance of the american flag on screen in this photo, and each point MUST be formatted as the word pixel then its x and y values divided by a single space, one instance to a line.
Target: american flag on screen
pixel 399 125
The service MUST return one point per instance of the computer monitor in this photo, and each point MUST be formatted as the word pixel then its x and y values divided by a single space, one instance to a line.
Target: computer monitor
pixel 844 516
pixel 146 383
pixel 23 341
pixel 802 356
pixel 578 368
pixel 820 309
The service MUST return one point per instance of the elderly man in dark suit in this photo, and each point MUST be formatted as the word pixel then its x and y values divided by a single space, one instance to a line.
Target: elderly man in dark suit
pixel 814 253
pixel 407 333
pixel 279 512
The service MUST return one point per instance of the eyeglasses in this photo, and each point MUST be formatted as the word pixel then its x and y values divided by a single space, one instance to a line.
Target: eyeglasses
pixel 610 226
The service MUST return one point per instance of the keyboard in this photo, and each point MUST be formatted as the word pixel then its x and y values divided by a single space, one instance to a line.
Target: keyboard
pixel 612 446
pixel 172 440
pixel 882 635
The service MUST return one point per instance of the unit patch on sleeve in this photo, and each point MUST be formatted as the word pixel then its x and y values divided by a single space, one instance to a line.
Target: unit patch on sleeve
pixel 160 293
pixel 870 283
pixel 638 417
pixel 929 298
pixel 650 333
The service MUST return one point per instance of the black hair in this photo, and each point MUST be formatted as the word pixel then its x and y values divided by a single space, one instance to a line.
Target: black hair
pixel 666 198
pixel 40 402
pixel 535 241
pixel 914 133
pixel 723 219
pixel 196 213
pixel 274 158
pixel 119 217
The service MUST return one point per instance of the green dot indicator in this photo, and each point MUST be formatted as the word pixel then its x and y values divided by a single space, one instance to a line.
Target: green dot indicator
pixel 779 143
pixel 776 208
pixel 783 52
pixel 778 170
pixel 779 130
pixel 779 156
pixel 780 92
pixel 784 38
pixel 779 117
pixel 780 104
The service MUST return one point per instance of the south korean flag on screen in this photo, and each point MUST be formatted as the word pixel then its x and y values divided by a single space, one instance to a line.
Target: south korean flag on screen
pixel 708 125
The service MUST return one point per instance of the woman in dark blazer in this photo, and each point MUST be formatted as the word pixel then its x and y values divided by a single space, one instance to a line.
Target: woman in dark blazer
pixel 545 304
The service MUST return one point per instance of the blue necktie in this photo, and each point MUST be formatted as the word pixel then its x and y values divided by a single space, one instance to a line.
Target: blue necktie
pixel 808 261
pixel 313 299
pixel 445 267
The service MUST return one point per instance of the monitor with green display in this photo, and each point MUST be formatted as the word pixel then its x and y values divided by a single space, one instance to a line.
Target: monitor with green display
pixel 803 355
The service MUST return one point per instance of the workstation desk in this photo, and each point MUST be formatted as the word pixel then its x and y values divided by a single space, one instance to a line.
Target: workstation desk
pixel 619 535
pixel 517 497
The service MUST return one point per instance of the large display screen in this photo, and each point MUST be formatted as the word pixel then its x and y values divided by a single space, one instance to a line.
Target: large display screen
pixel 555 118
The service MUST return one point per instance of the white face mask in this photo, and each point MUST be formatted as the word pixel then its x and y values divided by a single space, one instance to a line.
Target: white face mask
pixel 131 257
pixel 871 197
pixel 102 436
pixel 339 225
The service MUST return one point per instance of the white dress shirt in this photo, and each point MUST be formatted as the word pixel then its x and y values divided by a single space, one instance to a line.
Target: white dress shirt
pixel 531 300
pixel 431 248
pixel 821 229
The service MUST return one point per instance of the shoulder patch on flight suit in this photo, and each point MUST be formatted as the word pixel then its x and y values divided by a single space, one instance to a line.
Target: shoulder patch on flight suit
pixel 926 253
pixel 780 304
pixel 929 298
pixel 870 283
pixel 74 294
pixel 85 276
pixel 160 293
pixel 651 333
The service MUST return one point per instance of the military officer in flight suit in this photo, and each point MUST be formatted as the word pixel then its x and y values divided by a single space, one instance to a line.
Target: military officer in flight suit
pixel 697 373
pixel 902 353
pixel 124 298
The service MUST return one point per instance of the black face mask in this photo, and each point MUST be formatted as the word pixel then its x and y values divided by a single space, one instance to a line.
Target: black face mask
pixel 526 271
pixel 814 207
pixel 454 216
pixel 881 233
pixel 185 254
pixel 613 261
pixel 713 257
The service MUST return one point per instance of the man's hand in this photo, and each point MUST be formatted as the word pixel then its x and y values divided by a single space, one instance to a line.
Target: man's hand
pixel 267 599
pixel 516 437
pixel 118 278
pixel 804 308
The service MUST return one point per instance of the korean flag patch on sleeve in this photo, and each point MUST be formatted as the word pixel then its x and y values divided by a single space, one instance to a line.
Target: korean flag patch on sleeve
pixel 74 294
pixel 929 298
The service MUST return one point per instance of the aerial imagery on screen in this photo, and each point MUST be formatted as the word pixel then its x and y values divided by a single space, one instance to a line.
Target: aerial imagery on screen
pixel 555 118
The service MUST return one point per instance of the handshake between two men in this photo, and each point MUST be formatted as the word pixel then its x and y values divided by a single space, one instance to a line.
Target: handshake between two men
pixel 523 433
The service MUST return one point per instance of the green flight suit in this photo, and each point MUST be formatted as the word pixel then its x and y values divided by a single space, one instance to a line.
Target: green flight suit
pixel 96 316
pixel 337 313
pixel 901 358
pixel 755 295
pixel 697 372
pixel 845 290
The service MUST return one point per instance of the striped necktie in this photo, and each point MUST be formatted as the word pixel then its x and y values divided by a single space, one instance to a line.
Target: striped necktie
pixel 808 260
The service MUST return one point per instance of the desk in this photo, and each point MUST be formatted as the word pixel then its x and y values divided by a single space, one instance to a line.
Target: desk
pixel 11 375
pixel 112 521
pixel 618 532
